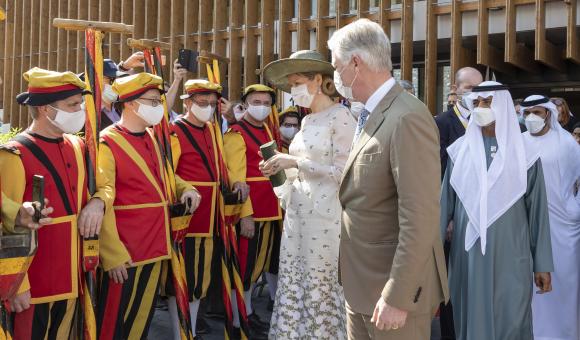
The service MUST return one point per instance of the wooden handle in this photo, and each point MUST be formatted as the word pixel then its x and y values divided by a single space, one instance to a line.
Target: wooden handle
pixel 210 55
pixel 81 25
pixel 141 44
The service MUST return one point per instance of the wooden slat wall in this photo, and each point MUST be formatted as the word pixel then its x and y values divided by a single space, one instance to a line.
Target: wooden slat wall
pixel 252 33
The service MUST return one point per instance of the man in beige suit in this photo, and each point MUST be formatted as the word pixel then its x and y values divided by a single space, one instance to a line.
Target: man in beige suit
pixel 391 259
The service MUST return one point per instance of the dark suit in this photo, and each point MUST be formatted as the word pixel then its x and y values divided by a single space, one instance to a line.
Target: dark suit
pixel 450 129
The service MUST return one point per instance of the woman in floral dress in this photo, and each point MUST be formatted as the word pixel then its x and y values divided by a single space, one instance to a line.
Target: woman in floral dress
pixel 309 300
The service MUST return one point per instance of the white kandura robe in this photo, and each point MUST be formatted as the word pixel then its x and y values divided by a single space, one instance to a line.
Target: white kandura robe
pixel 556 315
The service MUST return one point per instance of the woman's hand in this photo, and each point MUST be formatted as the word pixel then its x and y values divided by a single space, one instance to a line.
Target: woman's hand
pixel 280 161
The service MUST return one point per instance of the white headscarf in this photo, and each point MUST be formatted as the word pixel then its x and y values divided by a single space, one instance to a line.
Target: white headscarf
pixel 568 160
pixel 486 193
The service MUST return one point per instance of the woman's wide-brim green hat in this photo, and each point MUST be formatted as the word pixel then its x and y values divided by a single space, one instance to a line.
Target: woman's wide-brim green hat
pixel 276 73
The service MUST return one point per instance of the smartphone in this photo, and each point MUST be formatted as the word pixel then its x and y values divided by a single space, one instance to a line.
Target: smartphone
pixel 188 59
pixel 38 196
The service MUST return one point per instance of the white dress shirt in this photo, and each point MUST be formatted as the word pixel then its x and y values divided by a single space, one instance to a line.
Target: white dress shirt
pixel 378 95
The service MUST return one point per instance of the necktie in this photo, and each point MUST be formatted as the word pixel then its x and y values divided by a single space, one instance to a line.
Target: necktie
pixel 362 119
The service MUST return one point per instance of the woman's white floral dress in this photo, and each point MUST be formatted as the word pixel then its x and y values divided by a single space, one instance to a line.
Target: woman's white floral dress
pixel 309 301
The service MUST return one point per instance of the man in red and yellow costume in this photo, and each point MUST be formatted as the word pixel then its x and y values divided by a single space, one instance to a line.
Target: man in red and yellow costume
pixel 260 214
pixel 135 238
pixel 196 160
pixel 46 300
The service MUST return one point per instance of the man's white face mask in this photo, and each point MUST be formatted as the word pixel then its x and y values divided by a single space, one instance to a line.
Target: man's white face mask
pixel 259 112
pixel 109 96
pixel 483 116
pixel 151 115
pixel 534 123
pixel 345 91
pixel 69 122
pixel 204 113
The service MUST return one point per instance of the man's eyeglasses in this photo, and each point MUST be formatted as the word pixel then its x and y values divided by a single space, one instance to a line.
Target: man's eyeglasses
pixel 154 102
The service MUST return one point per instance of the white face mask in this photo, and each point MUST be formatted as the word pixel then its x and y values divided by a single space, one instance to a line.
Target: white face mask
pixel 288 132
pixel 239 112
pixel 151 115
pixel 259 112
pixel 462 99
pixel 534 123
pixel 109 95
pixel 301 96
pixel 345 91
pixel 483 116
pixel 69 122
pixel 204 114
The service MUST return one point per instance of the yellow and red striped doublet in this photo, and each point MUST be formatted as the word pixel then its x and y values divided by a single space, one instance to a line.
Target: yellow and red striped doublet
pixel 54 272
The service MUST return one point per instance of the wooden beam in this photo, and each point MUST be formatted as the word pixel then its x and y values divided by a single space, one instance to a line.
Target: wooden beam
pixel 8 93
pixel 383 19
pixel 488 55
pixel 115 15
pixel 71 39
pixel 342 12
pixel 458 53
pixel 251 45
pixel 407 41
pixel 431 59
pixel 304 11
pixel 546 52
pixel 3 58
pixel 17 80
pixel 164 19
pixel 104 15
pixel 322 9
pixel 284 34
pixel 205 22
pixel 516 54
pixel 83 14
pixel 362 9
pixel 127 18
pixel 150 17
pixel 572 41
pixel 235 46
pixel 191 24
pixel 267 34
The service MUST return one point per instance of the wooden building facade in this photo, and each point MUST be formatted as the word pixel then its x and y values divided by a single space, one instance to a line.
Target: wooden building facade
pixel 519 41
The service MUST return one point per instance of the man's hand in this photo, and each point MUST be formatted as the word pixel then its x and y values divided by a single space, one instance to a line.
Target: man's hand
pixel 135 60
pixel 243 188
pixel 247 227
pixel 91 218
pixel 25 217
pixel 387 317
pixel 20 302
pixel 179 72
pixel 543 282
pixel 449 231
pixel 193 197
pixel 226 107
pixel 119 274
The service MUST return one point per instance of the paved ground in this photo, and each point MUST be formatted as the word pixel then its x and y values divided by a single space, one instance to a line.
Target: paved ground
pixel 160 328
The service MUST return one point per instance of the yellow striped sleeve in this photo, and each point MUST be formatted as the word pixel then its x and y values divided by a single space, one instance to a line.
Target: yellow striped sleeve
pixel 175 150
pixel 235 158
pixel 112 251
pixel 106 177
pixel 13 185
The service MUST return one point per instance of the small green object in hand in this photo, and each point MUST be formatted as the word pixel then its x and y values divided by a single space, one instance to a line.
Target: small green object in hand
pixel 268 151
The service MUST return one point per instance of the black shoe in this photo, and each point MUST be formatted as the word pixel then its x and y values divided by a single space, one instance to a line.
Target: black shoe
pixel 270 305
pixel 201 326
pixel 255 320
pixel 197 337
